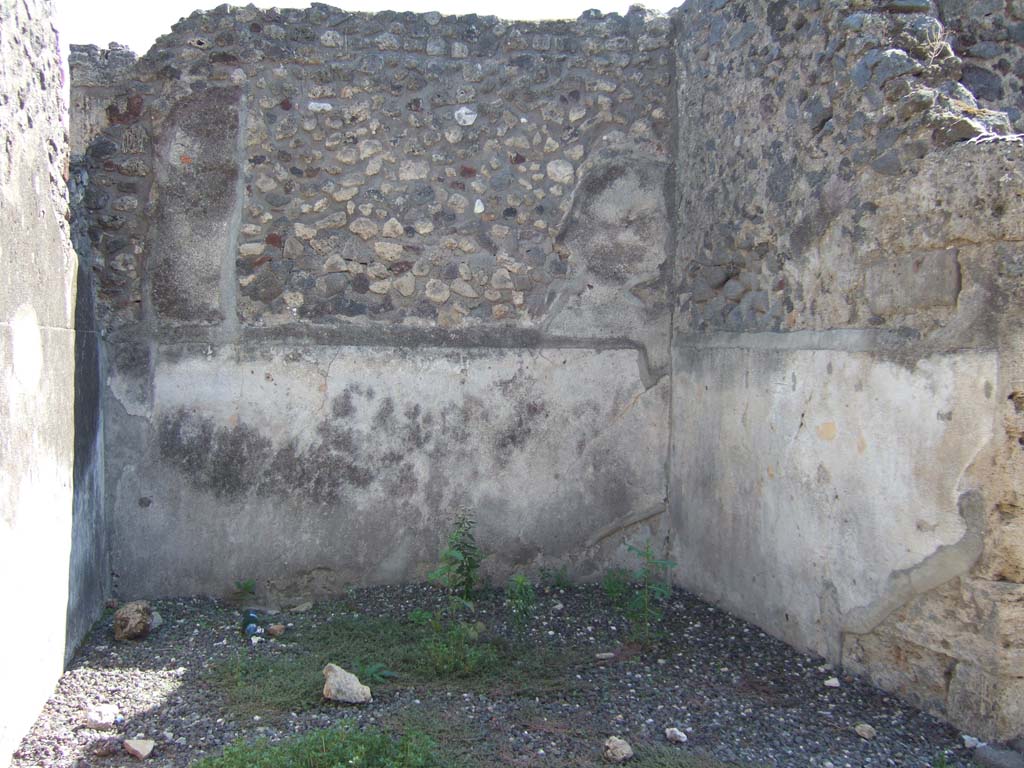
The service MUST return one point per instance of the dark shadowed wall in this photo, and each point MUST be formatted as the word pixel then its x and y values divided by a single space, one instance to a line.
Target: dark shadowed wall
pixel 53 564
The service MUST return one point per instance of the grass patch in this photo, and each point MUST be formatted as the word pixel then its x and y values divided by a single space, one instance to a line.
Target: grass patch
pixel 659 756
pixel 469 744
pixel 455 653
pixel 260 681
pixel 341 746
pixel 259 684
pixel 463 744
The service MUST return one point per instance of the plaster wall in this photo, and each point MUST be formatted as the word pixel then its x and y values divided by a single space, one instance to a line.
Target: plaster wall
pixel 358 272
pixel 310 468
pixel 52 537
pixel 845 452
pixel 829 479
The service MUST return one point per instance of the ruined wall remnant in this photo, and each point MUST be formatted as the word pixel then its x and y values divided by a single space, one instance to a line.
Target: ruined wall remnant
pixel 360 271
pixel 846 466
pixel 741 277
pixel 988 36
pixel 53 563
pixel 383 170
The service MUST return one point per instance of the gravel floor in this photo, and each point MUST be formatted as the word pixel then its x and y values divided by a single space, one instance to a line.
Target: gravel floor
pixel 738 694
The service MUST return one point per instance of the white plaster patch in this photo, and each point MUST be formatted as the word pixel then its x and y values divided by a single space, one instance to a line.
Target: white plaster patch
pixel 27 351
pixel 814 472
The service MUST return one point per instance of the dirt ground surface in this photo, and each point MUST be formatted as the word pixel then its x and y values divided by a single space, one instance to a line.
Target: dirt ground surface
pixel 553 688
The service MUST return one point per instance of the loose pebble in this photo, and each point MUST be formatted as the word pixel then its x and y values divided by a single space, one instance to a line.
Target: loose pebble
pixel 675 735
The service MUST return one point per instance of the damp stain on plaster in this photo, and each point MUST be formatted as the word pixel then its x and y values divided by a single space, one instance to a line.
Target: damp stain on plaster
pixel 367 442
pixel 827 431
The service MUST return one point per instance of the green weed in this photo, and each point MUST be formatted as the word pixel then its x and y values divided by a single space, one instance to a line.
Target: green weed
pixel 261 684
pixel 290 679
pixel 342 746
pixel 373 673
pixel 616 585
pixel 422 617
pixel 557 578
pixel 458 572
pixel 256 682
pixel 650 589
pixel 456 652
pixel 521 599
pixel 662 756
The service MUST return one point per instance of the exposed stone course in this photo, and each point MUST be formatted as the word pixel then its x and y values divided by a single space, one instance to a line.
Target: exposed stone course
pixel 987 35
pixel 459 141
pixel 847 101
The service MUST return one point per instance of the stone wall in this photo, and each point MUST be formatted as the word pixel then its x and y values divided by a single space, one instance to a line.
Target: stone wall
pixel 359 271
pixel 846 373
pixel 739 279
pixel 53 563
pixel 988 36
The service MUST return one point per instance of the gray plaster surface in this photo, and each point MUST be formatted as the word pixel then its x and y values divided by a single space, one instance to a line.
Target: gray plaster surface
pixel 52 542
pixel 813 486
pixel 307 468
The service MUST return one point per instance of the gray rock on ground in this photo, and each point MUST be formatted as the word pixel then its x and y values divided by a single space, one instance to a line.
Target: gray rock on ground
pixel 997 757
pixel 865 731
pixel 617 750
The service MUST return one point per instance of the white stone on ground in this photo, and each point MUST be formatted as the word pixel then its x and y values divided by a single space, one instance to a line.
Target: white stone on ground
pixel 101 716
pixel 675 735
pixel 465 116
pixel 617 750
pixel 341 685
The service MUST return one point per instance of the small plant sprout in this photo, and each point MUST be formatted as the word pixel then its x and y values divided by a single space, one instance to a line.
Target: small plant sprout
pixel 521 599
pixel 650 589
pixel 373 672
pixel 616 585
pixel 456 651
pixel 557 578
pixel 421 617
pixel 459 570
pixel 245 588
pixel 454 648
pixel 936 45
